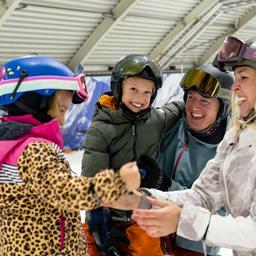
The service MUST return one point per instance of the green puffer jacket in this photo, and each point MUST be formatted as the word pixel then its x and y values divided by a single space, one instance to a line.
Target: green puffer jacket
pixel 113 139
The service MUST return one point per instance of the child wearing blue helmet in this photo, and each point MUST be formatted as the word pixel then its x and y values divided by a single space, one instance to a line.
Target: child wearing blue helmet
pixel 40 201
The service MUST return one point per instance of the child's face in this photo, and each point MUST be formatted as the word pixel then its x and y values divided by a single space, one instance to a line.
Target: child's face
pixel 137 93
pixel 60 104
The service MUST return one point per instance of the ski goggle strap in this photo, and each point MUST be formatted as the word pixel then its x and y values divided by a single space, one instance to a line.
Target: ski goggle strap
pixel 206 84
pixel 133 67
pixel 235 50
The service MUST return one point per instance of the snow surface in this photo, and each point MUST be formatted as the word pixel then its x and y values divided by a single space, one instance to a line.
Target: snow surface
pixel 75 159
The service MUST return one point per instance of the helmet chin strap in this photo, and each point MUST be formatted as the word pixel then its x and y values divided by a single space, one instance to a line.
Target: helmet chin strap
pixel 23 74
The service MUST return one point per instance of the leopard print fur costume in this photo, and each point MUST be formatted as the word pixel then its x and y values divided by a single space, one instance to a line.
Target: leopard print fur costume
pixel 30 211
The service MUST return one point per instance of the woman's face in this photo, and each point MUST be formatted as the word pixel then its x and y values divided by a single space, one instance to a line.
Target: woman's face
pixel 244 88
pixel 60 104
pixel 201 112
pixel 137 92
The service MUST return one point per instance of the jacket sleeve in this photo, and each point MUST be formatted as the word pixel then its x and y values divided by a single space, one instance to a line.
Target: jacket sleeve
pixel 49 177
pixel 228 232
pixel 96 156
pixel 173 112
pixel 197 220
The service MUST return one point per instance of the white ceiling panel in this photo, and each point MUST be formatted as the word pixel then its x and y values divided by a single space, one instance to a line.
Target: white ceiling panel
pixel 96 33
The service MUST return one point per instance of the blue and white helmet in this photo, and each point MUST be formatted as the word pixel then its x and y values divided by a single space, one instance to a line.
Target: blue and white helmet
pixel 39 74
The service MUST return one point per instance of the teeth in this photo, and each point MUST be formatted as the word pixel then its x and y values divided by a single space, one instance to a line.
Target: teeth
pixel 197 115
pixel 137 105
pixel 240 99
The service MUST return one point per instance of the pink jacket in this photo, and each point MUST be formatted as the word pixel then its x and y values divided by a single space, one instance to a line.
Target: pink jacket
pixel 48 132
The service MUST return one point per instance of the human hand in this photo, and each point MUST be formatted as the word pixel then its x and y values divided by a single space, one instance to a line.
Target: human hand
pixel 130 174
pixel 129 201
pixel 158 222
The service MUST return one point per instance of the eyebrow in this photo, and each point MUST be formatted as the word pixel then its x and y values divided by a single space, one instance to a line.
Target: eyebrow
pixel 241 70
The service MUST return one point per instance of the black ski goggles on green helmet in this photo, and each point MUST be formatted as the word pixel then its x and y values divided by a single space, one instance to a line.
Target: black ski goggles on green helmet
pixel 206 84
pixel 135 64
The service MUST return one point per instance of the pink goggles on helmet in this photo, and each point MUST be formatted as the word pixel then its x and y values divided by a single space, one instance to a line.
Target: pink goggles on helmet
pixel 235 50
pixel 46 85
pixel 81 94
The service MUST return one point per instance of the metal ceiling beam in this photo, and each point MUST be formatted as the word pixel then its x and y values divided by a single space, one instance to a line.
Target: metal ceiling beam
pixel 180 27
pixel 6 9
pixel 241 23
pixel 100 32
pixel 190 35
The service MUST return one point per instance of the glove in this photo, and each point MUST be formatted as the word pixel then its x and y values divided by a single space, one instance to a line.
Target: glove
pixel 151 174
pixel 105 234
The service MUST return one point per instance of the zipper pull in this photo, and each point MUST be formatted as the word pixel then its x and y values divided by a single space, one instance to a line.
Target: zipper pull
pixel 133 130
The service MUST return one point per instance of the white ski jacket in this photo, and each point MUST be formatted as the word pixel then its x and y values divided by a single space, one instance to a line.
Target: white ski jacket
pixel 228 180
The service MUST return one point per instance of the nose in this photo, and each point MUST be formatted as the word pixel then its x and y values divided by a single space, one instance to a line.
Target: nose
pixel 196 104
pixel 235 86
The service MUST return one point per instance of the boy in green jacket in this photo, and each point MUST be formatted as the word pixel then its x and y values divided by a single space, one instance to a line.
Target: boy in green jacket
pixel 126 128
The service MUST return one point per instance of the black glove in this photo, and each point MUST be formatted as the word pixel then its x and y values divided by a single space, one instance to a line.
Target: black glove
pixel 105 234
pixel 151 174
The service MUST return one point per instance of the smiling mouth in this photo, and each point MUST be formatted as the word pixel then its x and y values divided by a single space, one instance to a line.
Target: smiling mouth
pixel 196 116
pixel 136 105
pixel 241 100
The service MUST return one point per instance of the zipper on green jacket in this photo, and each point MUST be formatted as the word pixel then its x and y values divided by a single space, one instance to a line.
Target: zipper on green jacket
pixel 133 130
pixel 134 141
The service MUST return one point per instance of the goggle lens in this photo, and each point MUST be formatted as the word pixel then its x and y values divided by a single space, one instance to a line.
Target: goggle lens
pixel 136 66
pixel 206 84
pixel 231 50
pixel 81 94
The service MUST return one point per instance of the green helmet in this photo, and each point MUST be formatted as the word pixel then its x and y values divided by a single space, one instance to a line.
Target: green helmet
pixel 135 65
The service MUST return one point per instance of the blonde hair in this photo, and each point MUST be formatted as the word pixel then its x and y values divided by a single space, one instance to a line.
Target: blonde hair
pixel 238 123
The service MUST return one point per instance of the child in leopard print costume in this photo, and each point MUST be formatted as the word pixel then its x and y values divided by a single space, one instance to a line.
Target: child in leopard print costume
pixel 40 201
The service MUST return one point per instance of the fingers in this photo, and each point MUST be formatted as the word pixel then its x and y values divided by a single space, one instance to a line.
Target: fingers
pixel 147 217
pixel 147 213
pixel 126 202
pixel 153 230
pixel 159 203
pixel 130 165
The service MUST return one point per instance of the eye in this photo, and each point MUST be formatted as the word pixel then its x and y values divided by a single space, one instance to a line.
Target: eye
pixel 205 101
pixel 148 92
pixel 63 109
pixel 134 89
pixel 189 97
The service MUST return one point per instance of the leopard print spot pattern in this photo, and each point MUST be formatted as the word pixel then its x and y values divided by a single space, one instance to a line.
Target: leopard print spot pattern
pixel 30 211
